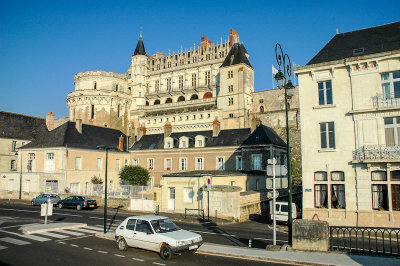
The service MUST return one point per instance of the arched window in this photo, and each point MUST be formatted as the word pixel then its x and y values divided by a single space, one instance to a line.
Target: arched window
pixel 194 97
pixel 147 103
pixel 156 102
pixel 261 109
pixel 168 100
pixel 207 95
pixel 181 99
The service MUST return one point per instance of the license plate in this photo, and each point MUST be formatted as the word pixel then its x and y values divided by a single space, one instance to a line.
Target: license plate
pixel 91 206
pixel 193 247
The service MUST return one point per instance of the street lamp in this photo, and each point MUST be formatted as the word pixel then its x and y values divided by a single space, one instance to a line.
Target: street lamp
pixel 106 148
pixel 280 79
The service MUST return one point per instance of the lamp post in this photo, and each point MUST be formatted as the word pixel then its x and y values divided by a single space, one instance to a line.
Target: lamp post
pixel 106 148
pixel 280 78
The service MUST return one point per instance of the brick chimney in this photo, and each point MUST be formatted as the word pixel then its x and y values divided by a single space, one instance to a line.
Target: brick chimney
pixel 204 42
pixel 78 125
pixel 121 143
pixel 167 130
pixel 233 38
pixel 216 127
pixel 50 121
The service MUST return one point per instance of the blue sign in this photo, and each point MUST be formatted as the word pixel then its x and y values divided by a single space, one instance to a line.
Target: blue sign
pixel 308 189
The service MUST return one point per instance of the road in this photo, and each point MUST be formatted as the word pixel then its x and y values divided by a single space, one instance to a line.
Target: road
pixel 81 247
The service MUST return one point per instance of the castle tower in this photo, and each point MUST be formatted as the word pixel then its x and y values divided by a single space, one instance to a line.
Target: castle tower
pixel 236 88
pixel 138 81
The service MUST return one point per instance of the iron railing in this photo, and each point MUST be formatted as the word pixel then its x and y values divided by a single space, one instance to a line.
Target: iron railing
pixel 194 212
pixel 381 101
pixel 377 152
pixel 365 239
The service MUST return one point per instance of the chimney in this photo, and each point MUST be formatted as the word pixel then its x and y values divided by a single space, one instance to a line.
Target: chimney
pixel 78 125
pixel 50 121
pixel 233 38
pixel 216 127
pixel 121 143
pixel 167 130
pixel 253 123
pixel 142 129
pixel 204 42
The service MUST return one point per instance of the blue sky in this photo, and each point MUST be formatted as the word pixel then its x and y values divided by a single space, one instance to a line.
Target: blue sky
pixel 43 44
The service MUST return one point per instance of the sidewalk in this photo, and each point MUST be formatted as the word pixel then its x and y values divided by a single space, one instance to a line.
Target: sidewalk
pixel 286 257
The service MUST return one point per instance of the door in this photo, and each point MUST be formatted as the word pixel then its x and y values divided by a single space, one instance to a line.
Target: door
pixel 171 198
pixel 129 232
pixel 144 236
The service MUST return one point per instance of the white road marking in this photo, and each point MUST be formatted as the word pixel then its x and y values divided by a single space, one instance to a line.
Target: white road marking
pixel 104 252
pixel 38 211
pixel 70 233
pixel 53 235
pixel 61 242
pixel 137 259
pixel 95 228
pixel 73 245
pixel 14 241
pixel 85 230
pixel 284 241
pixel 159 263
pixel 32 237
pixel 2 247
pixel 122 256
pixel 87 248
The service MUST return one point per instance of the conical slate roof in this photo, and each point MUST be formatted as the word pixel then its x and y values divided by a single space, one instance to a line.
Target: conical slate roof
pixel 236 55
pixel 140 48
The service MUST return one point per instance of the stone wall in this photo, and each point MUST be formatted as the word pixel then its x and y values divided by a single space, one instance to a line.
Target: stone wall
pixel 310 235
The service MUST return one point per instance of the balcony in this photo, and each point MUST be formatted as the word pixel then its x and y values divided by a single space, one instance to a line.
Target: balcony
pixel 379 101
pixel 377 153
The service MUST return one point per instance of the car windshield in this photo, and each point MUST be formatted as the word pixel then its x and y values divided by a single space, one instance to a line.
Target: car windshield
pixel 164 226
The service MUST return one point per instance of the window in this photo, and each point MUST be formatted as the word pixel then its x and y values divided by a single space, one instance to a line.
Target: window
pixel 395 175
pixel 150 164
pixel 10 184
pixel 74 188
pixel 50 162
pixel 396 197
pixel 378 176
pixel 261 109
pixel 181 82
pixel 391 85
pixel 200 143
pixel 321 196
pixel 143 227
pixel 95 86
pixel 320 176
pixel 31 162
pixel 338 196
pixel 99 163
pixel 230 101
pixel 169 84
pixel 182 164
pixel 230 74
pixel 199 164
pixel 168 164
pixel 230 115
pixel 230 88
pixel 256 161
pixel 130 225
pixel 325 92
pixel 116 87
pixel 327 135
pixel 392 131
pixel 207 78
pixel 157 86
pixel 92 111
pixel 337 176
pixel 14 145
pixel 135 162
pixel 188 197
pixel 220 163
pixel 239 163
pixel 78 163
pixel 117 164
pixel 13 165
pixel 379 197
pixel 194 77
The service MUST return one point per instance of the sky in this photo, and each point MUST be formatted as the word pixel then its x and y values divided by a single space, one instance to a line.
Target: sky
pixel 43 44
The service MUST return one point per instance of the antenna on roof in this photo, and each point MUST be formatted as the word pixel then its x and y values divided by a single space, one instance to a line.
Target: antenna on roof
pixel 337 30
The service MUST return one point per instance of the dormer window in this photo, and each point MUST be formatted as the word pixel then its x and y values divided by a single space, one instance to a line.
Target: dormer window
pixel 358 51
pixel 183 142
pixel 168 143
pixel 199 141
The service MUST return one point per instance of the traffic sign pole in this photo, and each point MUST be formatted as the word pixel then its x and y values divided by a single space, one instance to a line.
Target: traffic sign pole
pixel 274 199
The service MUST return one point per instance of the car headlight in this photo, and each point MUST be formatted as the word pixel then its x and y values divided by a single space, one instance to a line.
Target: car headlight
pixel 180 243
pixel 198 239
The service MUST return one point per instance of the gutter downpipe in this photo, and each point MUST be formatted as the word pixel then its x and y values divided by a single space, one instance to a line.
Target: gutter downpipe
pixel 355 137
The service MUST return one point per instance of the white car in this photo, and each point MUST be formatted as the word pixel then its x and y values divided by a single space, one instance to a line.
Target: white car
pixel 156 233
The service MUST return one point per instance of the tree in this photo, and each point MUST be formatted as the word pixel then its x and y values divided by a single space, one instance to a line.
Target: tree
pixel 135 175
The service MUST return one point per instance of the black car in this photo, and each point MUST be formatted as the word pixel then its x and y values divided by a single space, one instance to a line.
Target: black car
pixel 78 202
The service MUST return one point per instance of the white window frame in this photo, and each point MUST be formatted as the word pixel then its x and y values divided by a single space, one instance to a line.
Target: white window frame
pixel 31 162
pixel 388 92
pixel 50 162
pixel 117 164
pixel 324 93
pixel 183 164
pixel 183 142
pixel 188 193
pixel 325 133
pixel 99 163
pixel 220 163
pixel 395 126
pixel 199 141
pixel 150 163
pixel 239 162
pixel 168 164
pixel 199 163
pixel 257 166
pixel 13 165
pixel 78 163
pixel 13 145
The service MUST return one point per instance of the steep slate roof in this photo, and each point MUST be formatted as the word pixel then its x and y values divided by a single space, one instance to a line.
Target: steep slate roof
pixel 66 135
pixel 236 55
pixel 225 138
pixel 374 40
pixel 24 127
pixel 140 48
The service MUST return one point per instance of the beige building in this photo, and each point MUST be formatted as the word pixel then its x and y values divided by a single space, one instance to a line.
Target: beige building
pixel 350 120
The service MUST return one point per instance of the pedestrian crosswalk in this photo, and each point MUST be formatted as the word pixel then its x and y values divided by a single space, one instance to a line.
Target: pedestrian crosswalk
pixel 9 239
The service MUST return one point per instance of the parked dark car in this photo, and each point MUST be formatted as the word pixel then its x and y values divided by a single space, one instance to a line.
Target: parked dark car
pixel 78 202
pixel 42 198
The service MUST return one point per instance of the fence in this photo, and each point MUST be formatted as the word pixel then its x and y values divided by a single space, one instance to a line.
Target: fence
pixel 194 212
pixel 365 239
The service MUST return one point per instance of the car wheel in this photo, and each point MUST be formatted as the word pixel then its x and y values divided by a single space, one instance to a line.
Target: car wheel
pixel 78 207
pixel 122 244
pixel 60 205
pixel 165 252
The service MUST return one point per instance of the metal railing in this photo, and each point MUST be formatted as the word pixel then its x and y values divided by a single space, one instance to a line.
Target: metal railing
pixel 365 239
pixel 194 212
pixel 380 101
pixel 377 152
pixel 178 104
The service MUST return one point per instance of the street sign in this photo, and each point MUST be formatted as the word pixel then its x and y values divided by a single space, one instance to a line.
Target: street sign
pixel 49 209
pixel 280 170
pixel 270 194
pixel 280 182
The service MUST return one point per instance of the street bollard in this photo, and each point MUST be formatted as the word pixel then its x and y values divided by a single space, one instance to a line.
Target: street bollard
pixel 250 243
